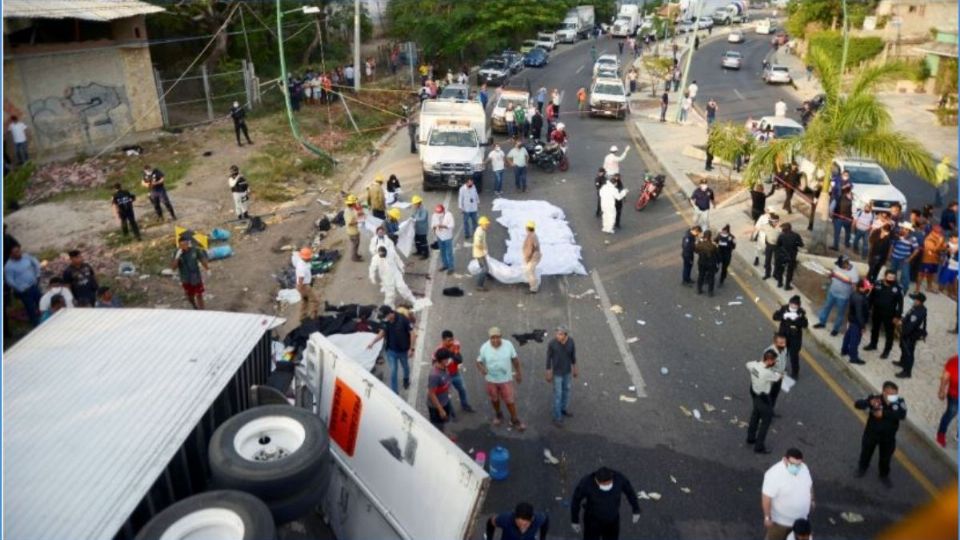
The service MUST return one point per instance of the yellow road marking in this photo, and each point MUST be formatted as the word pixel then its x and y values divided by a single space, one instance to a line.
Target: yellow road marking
pixel 831 383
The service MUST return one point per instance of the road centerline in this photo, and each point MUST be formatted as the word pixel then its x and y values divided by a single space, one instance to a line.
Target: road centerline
pixel 629 361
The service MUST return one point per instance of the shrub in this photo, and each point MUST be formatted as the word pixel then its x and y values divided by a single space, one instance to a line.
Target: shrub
pixel 860 49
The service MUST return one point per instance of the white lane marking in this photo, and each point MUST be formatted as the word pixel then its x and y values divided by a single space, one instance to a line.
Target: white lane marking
pixel 423 323
pixel 579 69
pixel 628 360
pixel 739 95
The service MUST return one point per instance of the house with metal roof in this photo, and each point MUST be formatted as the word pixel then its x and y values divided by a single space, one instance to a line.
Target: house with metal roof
pixel 78 72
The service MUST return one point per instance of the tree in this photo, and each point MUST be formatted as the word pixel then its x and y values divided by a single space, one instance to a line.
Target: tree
pixel 729 141
pixel 208 16
pixel 659 68
pixel 852 122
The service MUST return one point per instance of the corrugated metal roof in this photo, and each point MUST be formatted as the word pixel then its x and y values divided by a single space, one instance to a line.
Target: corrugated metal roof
pixel 96 403
pixel 90 10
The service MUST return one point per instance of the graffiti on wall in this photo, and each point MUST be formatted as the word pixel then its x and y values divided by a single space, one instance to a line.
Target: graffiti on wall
pixel 83 114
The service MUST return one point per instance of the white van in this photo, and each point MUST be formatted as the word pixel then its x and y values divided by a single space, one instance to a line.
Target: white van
pixel 764 26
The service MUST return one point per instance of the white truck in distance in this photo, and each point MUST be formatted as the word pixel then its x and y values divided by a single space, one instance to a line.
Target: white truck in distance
pixel 627 21
pixel 577 24
pixel 735 12
pixel 451 137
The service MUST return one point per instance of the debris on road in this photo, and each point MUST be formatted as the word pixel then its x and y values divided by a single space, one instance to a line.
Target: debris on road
pixel 581 295
pixel 641 323
pixel 852 517
pixel 633 340
pixel 685 489
pixel 686 411
pixel 708 407
pixel 628 399
pixel 735 303
pixel 548 457
pixel 664 371
pixel 616 308
pixel 673 479
pixel 687 315
pixel 727 398
pixel 696 414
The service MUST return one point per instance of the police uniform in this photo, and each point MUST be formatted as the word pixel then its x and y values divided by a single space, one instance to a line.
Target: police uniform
pixel 726 243
pixel 761 380
pixel 912 330
pixel 883 421
pixel 886 304
pixel 240 190
pixel 792 324
pixel 123 202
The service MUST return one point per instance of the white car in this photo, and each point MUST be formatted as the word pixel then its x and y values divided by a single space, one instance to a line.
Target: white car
pixel 870 182
pixel 764 26
pixel 547 40
pixel 704 22
pixel 735 37
pixel 777 74
pixel 685 26
pixel 609 62
pixel 608 97
pixel 518 98
pixel 782 126
pixel 731 60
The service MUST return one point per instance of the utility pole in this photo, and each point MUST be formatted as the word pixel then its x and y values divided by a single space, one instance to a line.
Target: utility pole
pixel 846 39
pixel 686 67
pixel 357 74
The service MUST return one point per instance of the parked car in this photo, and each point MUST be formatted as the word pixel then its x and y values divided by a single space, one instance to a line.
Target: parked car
pixel 519 98
pixel 514 59
pixel 528 45
pixel 686 26
pixel 735 37
pixel 547 40
pixel 454 92
pixel 704 22
pixel 494 71
pixel 606 61
pixel 870 182
pixel 777 74
pixel 782 127
pixel 537 57
pixel 731 60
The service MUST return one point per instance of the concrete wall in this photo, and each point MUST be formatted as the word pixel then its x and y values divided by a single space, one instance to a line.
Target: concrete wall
pixel 917 17
pixel 83 99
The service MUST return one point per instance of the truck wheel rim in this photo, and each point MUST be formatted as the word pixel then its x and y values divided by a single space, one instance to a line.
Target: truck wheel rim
pixel 208 524
pixel 270 438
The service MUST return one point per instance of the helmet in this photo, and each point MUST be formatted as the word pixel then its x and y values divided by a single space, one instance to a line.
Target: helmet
pixel 351 199
pixel 306 253
pixel 561 126
pixel 394 213
pixel 378 179
pixel 531 225
pixel 484 220
pixel 439 209
pixel 538 148
pixel 416 199
pixel 614 148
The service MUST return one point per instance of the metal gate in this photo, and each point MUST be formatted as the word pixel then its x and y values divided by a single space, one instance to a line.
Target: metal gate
pixel 200 96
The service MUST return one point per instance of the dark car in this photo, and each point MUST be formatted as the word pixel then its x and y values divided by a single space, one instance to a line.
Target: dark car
pixel 493 71
pixel 537 57
pixel 513 59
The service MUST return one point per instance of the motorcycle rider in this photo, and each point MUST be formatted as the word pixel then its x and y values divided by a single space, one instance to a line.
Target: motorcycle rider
pixel 559 136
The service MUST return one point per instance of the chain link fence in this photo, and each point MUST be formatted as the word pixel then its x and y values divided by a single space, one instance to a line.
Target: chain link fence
pixel 201 96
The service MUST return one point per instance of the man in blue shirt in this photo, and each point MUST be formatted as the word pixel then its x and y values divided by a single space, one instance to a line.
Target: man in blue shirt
pixel 521 524
pixel 22 274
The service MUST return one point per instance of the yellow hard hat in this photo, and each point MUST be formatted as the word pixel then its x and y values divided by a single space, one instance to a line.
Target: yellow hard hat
pixel 378 179
pixel 394 213
pixel 531 225
pixel 483 220
pixel 416 199
pixel 351 199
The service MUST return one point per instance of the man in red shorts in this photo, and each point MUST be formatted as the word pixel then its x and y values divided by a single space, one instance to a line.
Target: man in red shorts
pixel 188 260
pixel 500 366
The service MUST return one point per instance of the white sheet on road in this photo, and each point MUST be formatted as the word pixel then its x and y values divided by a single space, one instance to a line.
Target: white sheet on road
pixel 355 347
pixel 560 251
pixel 504 273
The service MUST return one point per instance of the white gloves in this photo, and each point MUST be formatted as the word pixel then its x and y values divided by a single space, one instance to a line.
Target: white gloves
pixel 635 518
pixel 576 527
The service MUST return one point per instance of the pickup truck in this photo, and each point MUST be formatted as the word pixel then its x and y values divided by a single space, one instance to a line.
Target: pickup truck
pixel 518 98
pixel 494 71
pixel 608 98
pixel 451 137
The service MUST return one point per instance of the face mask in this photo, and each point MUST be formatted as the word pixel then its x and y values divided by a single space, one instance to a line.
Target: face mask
pixel 893 398
pixel 793 468
pixel 605 487
pixel 793 308
pixel 703 187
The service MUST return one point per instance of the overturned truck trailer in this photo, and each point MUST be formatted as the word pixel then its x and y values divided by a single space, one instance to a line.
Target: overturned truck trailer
pixel 109 415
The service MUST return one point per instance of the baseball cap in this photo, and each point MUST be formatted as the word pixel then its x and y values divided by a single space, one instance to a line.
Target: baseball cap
pixel 494 331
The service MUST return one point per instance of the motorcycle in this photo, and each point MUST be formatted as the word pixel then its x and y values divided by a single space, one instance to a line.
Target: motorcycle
pixel 652 186
pixel 548 157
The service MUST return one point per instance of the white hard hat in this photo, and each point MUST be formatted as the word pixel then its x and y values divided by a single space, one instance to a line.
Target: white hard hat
pixel 613 148
pixel 561 126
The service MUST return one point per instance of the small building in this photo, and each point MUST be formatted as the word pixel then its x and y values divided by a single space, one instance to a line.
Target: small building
pixel 943 46
pixel 909 20
pixel 78 72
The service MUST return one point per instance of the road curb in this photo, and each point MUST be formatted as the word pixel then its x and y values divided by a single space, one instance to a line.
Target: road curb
pixel 831 349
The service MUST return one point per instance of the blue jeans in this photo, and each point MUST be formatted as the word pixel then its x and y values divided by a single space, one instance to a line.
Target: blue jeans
pixel 446 253
pixel 392 358
pixel 860 239
pixel 683 114
pixel 561 394
pixel 840 304
pixel 838 225
pixel 851 342
pixel 520 177
pixel 457 382
pixel 498 181
pixel 481 277
pixel 948 415
pixel 20 151
pixel 469 225
pixel 511 129
pixel 902 267
pixel 30 297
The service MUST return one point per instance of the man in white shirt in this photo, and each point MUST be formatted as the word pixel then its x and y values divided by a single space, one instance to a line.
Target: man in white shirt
pixel 787 495
pixel 780 109
pixel 518 159
pixel 763 375
pixel 469 203
pixel 18 131
pixel 442 225
pixel 692 91
pixel 497 159
pixel 309 304
pixel 611 162
pixel 348 74
pixel 56 287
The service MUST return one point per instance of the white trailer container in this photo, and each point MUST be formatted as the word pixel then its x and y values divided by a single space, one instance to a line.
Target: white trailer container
pixel 627 21
pixel 577 24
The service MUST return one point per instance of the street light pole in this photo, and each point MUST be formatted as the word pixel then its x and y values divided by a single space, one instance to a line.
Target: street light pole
pixel 686 67
pixel 846 39
pixel 356 45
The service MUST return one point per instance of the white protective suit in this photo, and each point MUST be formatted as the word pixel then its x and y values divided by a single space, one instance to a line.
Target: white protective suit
pixel 608 205
pixel 391 280
pixel 392 254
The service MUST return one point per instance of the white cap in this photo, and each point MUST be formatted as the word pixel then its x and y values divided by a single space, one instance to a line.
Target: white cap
pixel 561 125
pixel 906 225
pixel 614 148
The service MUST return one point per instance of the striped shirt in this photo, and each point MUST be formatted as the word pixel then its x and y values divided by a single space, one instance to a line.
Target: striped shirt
pixel 903 248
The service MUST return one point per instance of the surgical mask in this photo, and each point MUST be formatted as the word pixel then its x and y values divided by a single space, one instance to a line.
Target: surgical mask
pixel 893 398
pixel 793 468
pixel 793 308
pixel 605 487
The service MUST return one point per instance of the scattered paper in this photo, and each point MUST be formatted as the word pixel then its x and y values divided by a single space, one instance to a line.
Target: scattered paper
pixel 756 299
pixel 323 202
pixel 616 308
pixel 696 414
pixel 643 495
pixel 581 295
pixel 708 407
pixel 735 303
pixel 718 323
pixel 628 399
pixel 727 398
pixel 632 388
pixel 654 495
pixel 672 479
pixel 548 457
pixel 633 340
pixel 852 517
pixel 641 323
pixel 686 411
pixel 685 489
pixel 664 371
pixel 687 315
pixel 832 521
pixel 788 383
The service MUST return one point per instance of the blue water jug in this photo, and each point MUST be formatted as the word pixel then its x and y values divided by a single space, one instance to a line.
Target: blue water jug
pixel 219 252
pixel 219 235
pixel 499 463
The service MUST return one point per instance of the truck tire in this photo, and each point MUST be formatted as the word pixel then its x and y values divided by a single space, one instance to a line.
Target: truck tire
pixel 268 451
pixel 214 514
pixel 298 504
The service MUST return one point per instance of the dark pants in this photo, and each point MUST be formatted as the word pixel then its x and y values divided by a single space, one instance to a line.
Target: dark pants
pixel 687 269
pixel 413 143
pixel 768 252
pixel 420 241
pixel 869 442
pixel 594 529
pixel 129 222
pixel 663 114
pixel 709 164
pixel 760 419
pixel 705 276
pixel 724 265
pixel 907 347
pixel 598 203
pixel 851 341
pixel 793 353
pixel 775 392
pixel 237 128
pixel 619 207
pixel 435 416
pixel 787 199
pixel 948 415
pixel 157 197
pixel 379 214
pixel 783 264
pixel 30 298
pixel 873 267
pixel 885 321
pixel 841 224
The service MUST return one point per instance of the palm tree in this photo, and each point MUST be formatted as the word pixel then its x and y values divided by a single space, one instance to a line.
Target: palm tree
pixel 852 122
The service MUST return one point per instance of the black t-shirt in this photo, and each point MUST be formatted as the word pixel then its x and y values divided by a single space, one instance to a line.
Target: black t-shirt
pixel 702 198
pixel 238 114
pixel 240 186
pixel 397 333
pixel 82 281
pixel 124 201
pixel 155 176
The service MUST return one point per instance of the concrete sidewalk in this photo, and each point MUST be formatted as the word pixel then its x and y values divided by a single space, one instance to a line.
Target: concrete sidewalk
pixel 672 144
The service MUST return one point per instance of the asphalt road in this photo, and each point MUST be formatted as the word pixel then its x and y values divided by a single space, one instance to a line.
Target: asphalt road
pixel 742 93
pixel 708 477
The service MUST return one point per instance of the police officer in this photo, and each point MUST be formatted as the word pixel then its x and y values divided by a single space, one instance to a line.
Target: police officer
pixel 599 494
pixel 687 250
pixel 787 246
pixel 155 181
pixel 726 243
pixel 762 377
pixel 240 190
pixel 886 305
pixel 793 319
pixel 779 347
pixel 598 183
pixel 122 202
pixel 913 328
pixel 239 116
pixel 885 413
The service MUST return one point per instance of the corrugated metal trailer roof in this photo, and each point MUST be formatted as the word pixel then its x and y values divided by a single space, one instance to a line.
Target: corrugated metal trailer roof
pixel 90 10
pixel 97 401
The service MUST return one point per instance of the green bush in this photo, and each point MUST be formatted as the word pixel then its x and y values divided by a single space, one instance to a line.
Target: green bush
pixel 860 49
pixel 16 182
